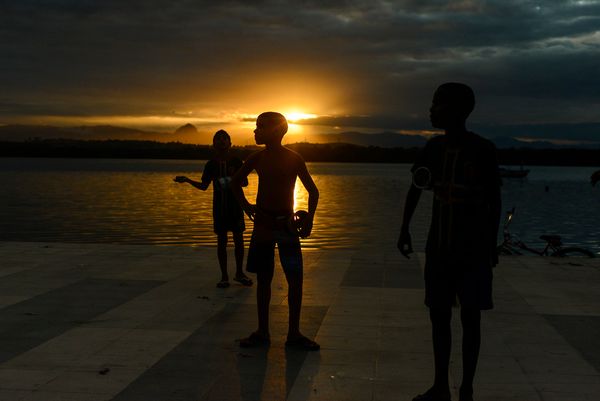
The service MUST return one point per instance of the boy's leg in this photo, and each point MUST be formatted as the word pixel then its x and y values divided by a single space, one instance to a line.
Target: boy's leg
pixel 261 336
pixel 475 294
pixel 238 241
pixel 442 343
pixel 261 261
pixel 263 300
pixel 222 254
pixel 471 323
pixel 439 297
pixel 294 303
pixel 290 256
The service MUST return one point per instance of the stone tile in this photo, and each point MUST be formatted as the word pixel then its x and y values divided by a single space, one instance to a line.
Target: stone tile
pixel 386 390
pixel 39 319
pixel 175 341
pixel 25 379
pixel 92 382
pixel 557 368
pixel 582 333
pixel 404 366
pixel 348 343
pixel 326 388
pixel 493 370
pixel 11 300
pixel 503 392
pixel 13 395
pixel 64 396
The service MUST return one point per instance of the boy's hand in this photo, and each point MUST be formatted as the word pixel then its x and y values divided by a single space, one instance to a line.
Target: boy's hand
pixel 306 227
pixel 405 244
pixel 494 255
pixel 250 211
pixel 180 179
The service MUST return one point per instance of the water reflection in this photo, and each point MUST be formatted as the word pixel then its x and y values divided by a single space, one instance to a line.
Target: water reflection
pixel 136 202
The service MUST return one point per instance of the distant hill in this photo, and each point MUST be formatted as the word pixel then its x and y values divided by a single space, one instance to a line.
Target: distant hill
pixel 384 139
pixel 188 133
pixel 504 142
pixel 187 129
pixel 95 132
pixel 323 152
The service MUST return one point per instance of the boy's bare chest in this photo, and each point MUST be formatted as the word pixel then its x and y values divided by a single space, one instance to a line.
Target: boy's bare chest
pixel 273 170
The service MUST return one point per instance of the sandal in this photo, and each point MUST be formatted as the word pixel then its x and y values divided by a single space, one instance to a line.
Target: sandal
pixel 303 344
pixel 254 340
pixel 223 284
pixel 245 281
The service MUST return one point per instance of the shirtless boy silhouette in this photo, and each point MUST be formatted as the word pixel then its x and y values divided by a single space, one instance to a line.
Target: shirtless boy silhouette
pixel 461 247
pixel 277 168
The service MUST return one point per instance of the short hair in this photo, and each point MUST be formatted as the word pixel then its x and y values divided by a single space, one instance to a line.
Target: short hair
pixel 276 120
pixel 460 95
pixel 221 132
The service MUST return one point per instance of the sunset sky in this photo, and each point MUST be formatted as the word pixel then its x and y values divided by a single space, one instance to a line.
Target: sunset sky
pixel 368 66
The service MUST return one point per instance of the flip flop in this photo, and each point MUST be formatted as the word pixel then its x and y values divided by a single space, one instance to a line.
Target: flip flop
pixel 223 284
pixel 245 281
pixel 254 340
pixel 303 344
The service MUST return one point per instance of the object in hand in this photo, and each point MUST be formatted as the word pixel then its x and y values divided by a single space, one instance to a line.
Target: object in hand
pixel 296 221
pixel 422 178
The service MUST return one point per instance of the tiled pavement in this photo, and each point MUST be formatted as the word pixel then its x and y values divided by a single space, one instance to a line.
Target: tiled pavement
pixel 112 322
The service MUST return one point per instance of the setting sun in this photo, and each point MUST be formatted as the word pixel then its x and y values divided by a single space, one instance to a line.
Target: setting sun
pixel 294 116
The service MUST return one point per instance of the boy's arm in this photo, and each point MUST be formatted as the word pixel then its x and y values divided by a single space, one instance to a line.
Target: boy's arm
pixel 244 181
pixel 200 185
pixel 313 198
pixel 411 202
pixel 495 215
pixel 495 208
pixel 404 240
pixel 237 181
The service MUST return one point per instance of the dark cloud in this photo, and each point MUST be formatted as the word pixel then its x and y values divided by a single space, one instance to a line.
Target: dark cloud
pixel 528 61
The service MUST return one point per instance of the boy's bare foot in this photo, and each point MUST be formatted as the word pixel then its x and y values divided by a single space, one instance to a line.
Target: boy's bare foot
pixel 243 280
pixel 223 284
pixel 254 340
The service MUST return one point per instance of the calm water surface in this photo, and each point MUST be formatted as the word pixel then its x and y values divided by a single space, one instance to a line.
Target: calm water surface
pixel 136 202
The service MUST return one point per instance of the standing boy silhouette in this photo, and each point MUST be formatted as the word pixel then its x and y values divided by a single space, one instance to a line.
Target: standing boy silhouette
pixel 227 213
pixel 277 168
pixel 461 246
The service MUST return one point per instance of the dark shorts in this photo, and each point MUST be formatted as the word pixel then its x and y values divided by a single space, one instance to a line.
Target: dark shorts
pixel 261 253
pixel 446 281
pixel 233 221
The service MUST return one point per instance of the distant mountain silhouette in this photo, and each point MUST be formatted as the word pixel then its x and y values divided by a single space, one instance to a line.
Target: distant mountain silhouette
pixel 95 132
pixel 324 152
pixel 384 139
pixel 503 142
pixel 187 129
pixel 188 133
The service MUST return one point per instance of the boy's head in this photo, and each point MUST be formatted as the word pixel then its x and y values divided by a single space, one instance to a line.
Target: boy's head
pixel 221 140
pixel 270 127
pixel 451 105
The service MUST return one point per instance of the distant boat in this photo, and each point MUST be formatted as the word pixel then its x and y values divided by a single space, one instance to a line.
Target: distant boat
pixel 513 173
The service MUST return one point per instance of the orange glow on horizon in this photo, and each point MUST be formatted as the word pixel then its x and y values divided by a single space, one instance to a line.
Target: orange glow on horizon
pixel 295 116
